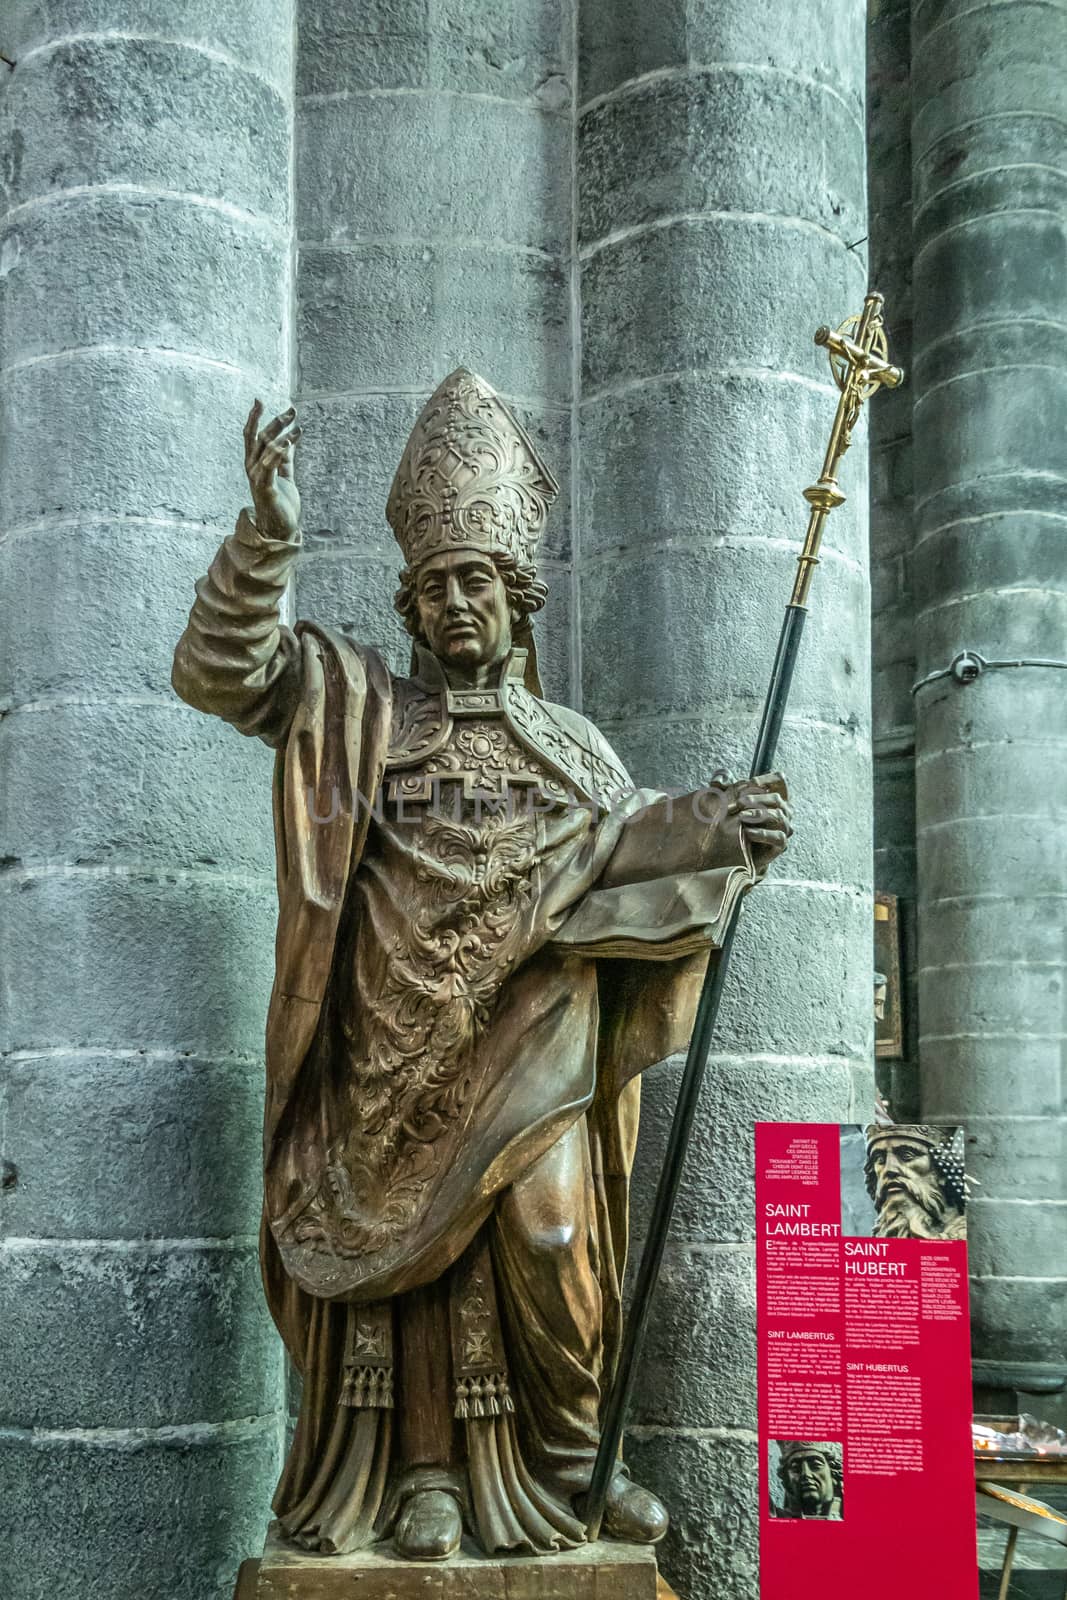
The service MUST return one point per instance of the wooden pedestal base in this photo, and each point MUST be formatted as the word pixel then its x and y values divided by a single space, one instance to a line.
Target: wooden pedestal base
pixel 602 1571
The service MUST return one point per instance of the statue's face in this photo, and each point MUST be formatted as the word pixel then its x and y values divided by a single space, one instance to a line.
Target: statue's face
pixel 463 608
pixel 901 1167
pixel 809 1481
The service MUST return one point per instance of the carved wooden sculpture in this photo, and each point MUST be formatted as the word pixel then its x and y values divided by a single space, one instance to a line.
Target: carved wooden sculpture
pixel 485 934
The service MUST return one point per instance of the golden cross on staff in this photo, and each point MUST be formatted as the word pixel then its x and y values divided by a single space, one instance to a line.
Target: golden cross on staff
pixel 857 352
pixel 859 367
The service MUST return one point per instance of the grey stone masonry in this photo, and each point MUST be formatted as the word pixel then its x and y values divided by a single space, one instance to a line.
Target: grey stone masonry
pixel 144 291
pixel 892 523
pixel 434 217
pixel 630 222
pixel 721 184
pixel 989 150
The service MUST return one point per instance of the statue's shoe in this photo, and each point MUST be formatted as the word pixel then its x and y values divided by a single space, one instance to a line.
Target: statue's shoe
pixel 429 1528
pixel 633 1513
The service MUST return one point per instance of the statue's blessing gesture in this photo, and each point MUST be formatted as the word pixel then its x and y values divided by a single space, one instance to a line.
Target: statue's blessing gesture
pixel 485 934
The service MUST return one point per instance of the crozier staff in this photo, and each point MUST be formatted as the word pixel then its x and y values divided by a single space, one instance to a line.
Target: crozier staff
pixel 857 352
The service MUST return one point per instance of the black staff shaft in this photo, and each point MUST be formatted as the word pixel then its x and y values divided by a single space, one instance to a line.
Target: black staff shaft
pixel 785 659
pixel 685 1108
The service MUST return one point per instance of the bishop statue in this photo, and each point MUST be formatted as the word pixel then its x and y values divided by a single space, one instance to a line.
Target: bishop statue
pixel 485 934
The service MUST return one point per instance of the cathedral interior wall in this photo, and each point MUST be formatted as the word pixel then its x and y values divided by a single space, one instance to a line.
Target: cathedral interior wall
pixel 629 219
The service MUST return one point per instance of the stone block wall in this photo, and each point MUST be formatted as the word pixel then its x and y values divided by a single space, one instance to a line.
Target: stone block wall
pixel 721 183
pixel 893 597
pixel 433 190
pixel 144 291
pixel 967 162
pixel 630 220
pixel 989 109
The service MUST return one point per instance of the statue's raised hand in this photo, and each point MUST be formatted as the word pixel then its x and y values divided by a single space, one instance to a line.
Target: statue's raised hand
pixel 269 467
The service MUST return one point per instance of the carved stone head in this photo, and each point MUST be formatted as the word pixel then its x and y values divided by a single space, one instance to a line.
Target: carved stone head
pixel 810 1475
pixel 914 1174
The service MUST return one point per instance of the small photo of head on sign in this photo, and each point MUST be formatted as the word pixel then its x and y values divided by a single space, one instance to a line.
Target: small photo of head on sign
pixel 804 1480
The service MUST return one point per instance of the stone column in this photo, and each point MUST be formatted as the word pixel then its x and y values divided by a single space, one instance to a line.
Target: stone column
pixel 892 521
pixel 434 184
pixel 144 250
pixel 990 387
pixel 721 160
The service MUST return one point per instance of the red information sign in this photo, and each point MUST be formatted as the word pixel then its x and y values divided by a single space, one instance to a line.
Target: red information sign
pixel 866 1465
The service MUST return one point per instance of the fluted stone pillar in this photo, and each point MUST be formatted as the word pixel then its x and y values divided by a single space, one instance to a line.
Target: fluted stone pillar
pixel 990 381
pixel 144 250
pixel 892 520
pixel 434 215
pixel 721 165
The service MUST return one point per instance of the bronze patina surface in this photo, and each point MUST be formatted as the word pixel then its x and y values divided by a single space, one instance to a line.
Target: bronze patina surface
pixel 485 934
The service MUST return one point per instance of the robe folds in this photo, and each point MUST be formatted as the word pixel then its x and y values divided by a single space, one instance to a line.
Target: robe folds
pixel 509 1247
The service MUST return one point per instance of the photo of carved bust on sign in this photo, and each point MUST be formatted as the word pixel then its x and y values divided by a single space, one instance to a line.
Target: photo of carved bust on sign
pixel 903 1181
pixel 805 1479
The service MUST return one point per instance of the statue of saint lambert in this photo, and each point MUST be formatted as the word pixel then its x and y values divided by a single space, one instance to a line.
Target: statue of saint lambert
pixel 485 933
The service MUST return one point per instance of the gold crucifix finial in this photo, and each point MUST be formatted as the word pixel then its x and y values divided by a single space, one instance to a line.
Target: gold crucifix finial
pixel 858 354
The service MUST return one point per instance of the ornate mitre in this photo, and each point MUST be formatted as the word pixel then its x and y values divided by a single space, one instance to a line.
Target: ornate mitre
pixel 469 478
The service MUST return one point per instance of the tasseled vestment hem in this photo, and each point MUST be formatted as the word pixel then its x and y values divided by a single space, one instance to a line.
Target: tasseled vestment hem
pixel 345 1481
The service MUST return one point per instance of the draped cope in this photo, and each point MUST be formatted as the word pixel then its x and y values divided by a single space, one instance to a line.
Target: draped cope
pixel 484 935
